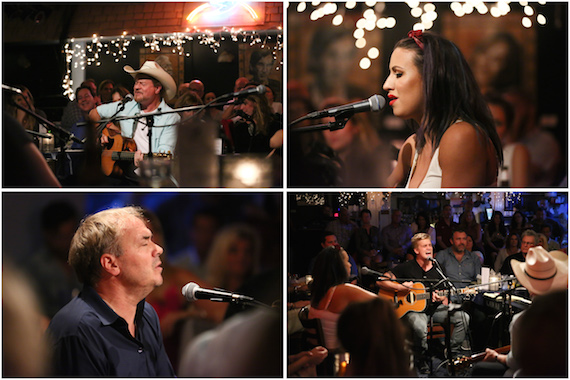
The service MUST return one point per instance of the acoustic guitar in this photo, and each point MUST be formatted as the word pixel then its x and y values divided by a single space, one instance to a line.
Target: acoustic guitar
pixel 416 300
pixel 466 361
pixel 119 153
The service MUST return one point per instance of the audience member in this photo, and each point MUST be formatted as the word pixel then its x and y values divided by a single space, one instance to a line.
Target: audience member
pixel 518 223
pixel 24 350
pixel 553 245
pixel 367 241
pixel 468 224
pixel 72 113
pixel 444 228
pixel 494 236
pixel 86 102
pixel 52 277
pixel 343 227
pixel 277 107
pixel 256 124
pixel 189 98
pixel 365 160
pixel 105 91
pixel 375 339
pixel 197 87
pixel 212 113
pixel 543 241
pixel 25 100
pixel 119 93
pixel 512 247
pixel 529 239
pixel 423 268
pixel 470 246
pixel 396 238
pixel 329 240
pixel 23 163
pixel 515 170
pixel 460 265
pixel 422 224
pixel 541 218
pixel 109 329
pixel 248 345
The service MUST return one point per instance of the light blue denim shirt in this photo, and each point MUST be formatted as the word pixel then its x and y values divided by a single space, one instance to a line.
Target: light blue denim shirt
pixel 164 132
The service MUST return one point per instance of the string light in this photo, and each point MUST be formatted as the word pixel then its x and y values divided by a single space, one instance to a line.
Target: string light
pixel 310 199
pixel 78 57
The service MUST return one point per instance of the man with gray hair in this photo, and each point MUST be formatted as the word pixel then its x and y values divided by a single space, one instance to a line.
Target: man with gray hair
pixel 529 239
pixel 109 329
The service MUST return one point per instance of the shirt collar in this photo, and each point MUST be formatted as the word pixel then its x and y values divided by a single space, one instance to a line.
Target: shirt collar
pixel 106 314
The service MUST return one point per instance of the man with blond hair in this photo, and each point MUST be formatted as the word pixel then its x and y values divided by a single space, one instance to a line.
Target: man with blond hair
pixel 423 269
pixel 109 329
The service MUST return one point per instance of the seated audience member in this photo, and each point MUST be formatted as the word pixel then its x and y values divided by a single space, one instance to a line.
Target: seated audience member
pixel 247 345
pixel 256 124
pixel 471 248
pixel 367 241
pixel 513 246
pixel 105 91
pixel 109 329
pixel 468 224
pixel 545 276
pixel 196 86
pixel 119 93
pixel 546 230
pixel 444 228
pixel 23 163
pixel 529 239
pixel 422 224
pixel 72 113
pixel 494 236
pixel 459 264
pixel 189 98
pixel 25 100
pixel 342 227
pixel 275 106
pixel 518 223
pixel 375 339
pixel 86 102
pixel 304 364
pixel 396 238
pixel 329 240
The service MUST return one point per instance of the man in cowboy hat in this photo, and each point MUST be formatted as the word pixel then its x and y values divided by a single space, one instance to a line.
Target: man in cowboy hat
pixel 542 272
pixel 153 87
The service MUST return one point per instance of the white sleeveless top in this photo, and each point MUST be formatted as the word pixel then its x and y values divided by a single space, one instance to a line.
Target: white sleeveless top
pixel 329 321
pixel 433 175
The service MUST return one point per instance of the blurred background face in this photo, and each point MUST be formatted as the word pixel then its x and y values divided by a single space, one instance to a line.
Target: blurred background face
pixel 340 140
pixel 336 61
pixel 514 241
pixel 209 97
pixel 85 100
pixel 500 120
pixel 365 217
pixel 248 107
pixel 239 258
pixel 116 96
pixel 489 63
pixel 469 245
pixel 421 221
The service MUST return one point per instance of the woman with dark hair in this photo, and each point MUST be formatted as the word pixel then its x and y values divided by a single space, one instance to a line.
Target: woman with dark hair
pixel 455 144
pixel 255 127
pixel 375 339
pixel 422 224
pixel 494 236
pixel 468 223
pixel 512 246
pixel 519 223
pixel 330 292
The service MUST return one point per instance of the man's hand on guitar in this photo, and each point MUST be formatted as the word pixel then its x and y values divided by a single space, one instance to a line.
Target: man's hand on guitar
pixel 437 298
pixel 104 139
pixel 139 156
pixel 493 356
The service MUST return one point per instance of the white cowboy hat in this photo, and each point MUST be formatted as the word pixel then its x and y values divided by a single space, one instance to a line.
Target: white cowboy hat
pixel 154 70
pixel 542 271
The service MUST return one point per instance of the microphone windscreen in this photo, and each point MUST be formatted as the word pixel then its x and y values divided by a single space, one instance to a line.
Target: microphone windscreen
pixel 189 289
pixel 376 103
pixel 261 89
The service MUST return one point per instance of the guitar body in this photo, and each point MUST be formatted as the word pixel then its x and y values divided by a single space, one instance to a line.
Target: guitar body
pixel 416 300
pixel 117 143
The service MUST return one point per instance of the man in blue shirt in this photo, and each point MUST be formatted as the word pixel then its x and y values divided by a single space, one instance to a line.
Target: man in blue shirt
pixel 460 265
pixel 153 87
pixel 109 329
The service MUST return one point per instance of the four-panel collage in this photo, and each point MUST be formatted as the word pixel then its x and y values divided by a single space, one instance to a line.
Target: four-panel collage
pixel 283 189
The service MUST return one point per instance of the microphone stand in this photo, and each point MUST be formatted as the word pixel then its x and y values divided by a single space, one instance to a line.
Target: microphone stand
pixel 340 122
pixel 452 289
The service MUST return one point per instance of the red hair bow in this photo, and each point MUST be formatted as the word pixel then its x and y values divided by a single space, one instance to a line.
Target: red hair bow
pixel 416 35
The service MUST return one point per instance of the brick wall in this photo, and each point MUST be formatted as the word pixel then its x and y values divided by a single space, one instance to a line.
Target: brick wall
pixel 111 19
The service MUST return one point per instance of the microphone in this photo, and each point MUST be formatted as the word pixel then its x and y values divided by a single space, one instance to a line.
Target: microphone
pixel 12 89
pixel 432 259
pixel 126 99
pixel 374 103
pixel 193 292
pixel 366 271
pixel 252 90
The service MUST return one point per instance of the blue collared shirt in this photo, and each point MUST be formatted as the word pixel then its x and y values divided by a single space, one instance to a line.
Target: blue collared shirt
pixel 90 339
pixel 163 132
pixel 459 272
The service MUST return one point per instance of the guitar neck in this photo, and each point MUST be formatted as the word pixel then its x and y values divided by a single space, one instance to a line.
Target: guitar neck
pixel 130 156
pixel 479 356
